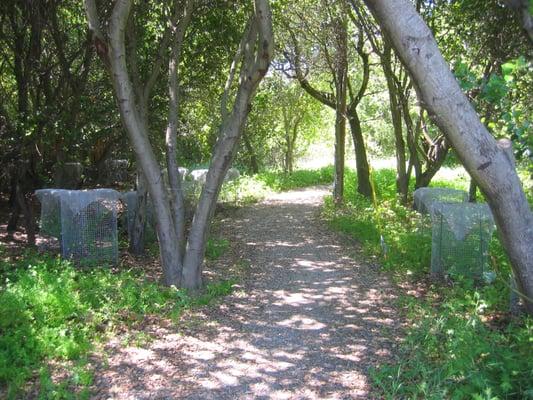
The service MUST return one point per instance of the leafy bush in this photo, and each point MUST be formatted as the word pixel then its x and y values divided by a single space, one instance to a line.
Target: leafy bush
pixel 244 190
pixel 461 342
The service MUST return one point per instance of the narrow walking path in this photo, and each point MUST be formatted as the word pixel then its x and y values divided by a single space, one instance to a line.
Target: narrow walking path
pixel 308 323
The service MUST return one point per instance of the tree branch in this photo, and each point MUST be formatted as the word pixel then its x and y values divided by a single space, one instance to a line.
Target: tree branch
pixel 236 58
pixel 325 98
pixel 99 39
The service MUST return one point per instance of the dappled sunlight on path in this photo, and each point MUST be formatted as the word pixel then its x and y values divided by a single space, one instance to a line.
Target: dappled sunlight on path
pixel 308 323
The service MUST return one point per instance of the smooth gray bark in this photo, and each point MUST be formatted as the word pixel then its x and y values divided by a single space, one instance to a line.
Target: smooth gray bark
pixel 487 161
pixel 133 99
pixel 257 54
pixel 171 139
pixel 136 129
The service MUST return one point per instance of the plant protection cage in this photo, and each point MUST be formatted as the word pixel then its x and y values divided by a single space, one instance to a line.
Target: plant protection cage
pixel 425 197
pixel 461 234
pixel 50 221
pixel 130 199
pixel 87 222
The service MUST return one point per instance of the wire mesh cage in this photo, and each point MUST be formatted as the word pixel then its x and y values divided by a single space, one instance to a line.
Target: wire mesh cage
pixel 425 197
pixel 130 200
pixel 461 234
pixel 50 221
pixel 87 221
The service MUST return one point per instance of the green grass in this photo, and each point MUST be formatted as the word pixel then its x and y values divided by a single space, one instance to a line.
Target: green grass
pixel 278 181
pixel 461 342
pixel 215 248
pixel 52 311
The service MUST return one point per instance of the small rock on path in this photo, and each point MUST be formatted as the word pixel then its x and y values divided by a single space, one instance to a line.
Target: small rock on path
pixel 309 322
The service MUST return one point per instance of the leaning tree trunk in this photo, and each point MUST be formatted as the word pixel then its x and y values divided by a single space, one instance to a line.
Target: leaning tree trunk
pixel 487 161
pixel 135 128
pixel 225 150
pixel 257 49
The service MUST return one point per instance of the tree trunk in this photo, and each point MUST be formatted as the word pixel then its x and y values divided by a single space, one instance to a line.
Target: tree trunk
pixel 292 145
pixel 254 164
pixel 487 161
pixel 137 230
pixel 177 201
pixel 290 125
pixel 29 222
pixel 256 49
pixel 341 91
pixel 254 67
pixel 436 155
pixel 135 127
pixel 363 170
pixel 402 183
pixel 288 155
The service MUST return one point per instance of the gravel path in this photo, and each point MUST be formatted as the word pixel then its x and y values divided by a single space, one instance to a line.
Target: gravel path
pixel 307 323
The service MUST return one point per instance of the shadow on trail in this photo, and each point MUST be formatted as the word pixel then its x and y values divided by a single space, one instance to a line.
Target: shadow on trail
pixel 309 324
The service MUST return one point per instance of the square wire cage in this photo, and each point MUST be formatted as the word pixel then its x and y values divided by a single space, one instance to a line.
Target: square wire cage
pixel 50 221
pixel 425 197
pixel 461 235
pixel 130 199
pixel 84 220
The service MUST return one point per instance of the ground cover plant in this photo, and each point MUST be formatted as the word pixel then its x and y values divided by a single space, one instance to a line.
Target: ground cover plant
pixel 53 312
pixel 461 341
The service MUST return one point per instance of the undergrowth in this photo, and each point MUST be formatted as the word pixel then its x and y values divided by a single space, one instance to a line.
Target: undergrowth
pixel 52 312
pixel 461 342
pixel 279 181
pixel 252 188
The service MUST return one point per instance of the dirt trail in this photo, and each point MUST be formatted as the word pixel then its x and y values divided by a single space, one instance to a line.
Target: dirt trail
pixel 308 323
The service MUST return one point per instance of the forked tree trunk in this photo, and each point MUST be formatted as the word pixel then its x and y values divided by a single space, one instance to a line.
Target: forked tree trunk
pixel 256 49
pixel 330 100
pixel 487 161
